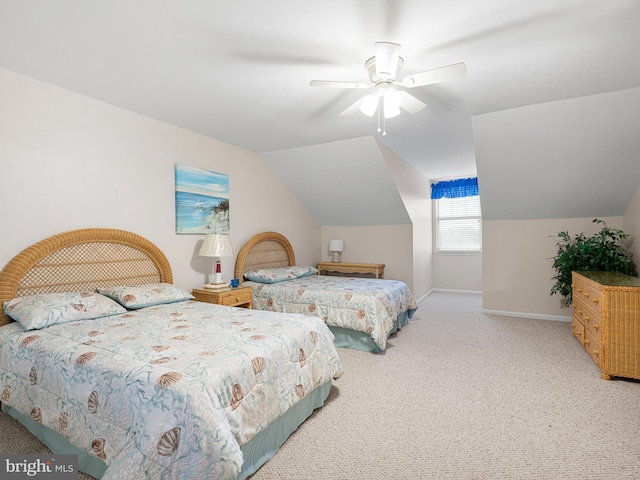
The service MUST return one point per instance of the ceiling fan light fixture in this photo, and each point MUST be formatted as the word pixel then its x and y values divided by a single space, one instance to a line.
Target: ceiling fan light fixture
pixel 392 103
pixel 383 70
pixel 369 105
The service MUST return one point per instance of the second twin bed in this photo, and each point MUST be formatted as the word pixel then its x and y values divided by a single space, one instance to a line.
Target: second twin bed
pixel 362 313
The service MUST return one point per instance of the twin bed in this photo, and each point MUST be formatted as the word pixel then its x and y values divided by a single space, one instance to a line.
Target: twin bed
pixel 361 313
pixel 141 381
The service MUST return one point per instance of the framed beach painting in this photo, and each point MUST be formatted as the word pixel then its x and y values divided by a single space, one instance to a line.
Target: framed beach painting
pixel 202 201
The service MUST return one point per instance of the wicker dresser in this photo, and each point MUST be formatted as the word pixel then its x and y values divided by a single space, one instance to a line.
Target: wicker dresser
pixel 606 321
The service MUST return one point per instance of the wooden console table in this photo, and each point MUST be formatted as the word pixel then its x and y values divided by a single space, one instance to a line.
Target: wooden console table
pixel 375 270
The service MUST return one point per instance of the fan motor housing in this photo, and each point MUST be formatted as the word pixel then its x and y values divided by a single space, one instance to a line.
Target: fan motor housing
pixel 370 66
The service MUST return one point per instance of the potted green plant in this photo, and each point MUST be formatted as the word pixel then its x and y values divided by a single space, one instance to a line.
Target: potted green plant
pixel 603 251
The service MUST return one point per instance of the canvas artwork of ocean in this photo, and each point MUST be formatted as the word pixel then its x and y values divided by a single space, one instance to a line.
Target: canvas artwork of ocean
pixel 202 201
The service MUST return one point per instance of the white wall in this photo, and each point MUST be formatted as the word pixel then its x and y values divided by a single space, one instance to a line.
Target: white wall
pixel 68 162
pixel 422 257
pixel 517 264
pixel 631 225
pixel 414 190
pixel 457 272
pixel 452 272
pixel 388 244
pixel 571 161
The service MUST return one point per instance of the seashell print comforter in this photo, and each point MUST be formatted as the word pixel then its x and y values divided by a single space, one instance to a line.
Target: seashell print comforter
pixel 170 391
pixel 361 304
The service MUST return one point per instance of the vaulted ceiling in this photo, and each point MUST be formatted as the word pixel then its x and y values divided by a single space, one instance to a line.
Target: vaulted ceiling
pixel 239 72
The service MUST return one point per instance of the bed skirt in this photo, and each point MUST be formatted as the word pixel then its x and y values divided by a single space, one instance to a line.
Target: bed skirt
pixel 346 338
pixel 256 452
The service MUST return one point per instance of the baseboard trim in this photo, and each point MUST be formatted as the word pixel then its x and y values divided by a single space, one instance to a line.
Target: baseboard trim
pixel 535 316
pixel 446 290
pixel 423 297
pixel 502 313
pixel 450 290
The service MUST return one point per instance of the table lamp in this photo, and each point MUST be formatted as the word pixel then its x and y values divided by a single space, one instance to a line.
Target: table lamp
pixel 216 245
pixel 336 246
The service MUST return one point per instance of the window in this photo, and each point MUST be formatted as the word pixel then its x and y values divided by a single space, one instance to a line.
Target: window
pixel 458 221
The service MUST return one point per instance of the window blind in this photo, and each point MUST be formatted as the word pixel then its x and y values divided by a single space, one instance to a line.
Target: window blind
pixel 458 222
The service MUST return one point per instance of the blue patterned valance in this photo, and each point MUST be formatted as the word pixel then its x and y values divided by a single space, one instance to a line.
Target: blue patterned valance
pixel 463 187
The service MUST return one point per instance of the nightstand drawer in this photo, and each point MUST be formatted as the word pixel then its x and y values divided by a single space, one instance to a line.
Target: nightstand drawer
pixel 229 297
pixel 236 298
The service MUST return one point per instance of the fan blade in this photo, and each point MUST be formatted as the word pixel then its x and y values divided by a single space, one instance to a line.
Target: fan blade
pixel 387 57
pixel 436 75
pixel 332 84
pixel 353 108
pixel 410 103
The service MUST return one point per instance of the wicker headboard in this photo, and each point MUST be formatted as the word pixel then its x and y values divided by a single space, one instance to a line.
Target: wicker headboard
pixel 265 250
pixel 83 260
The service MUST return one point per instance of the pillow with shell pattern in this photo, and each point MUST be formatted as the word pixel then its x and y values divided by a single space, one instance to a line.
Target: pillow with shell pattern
pixel 34 312
pixel 274 275
pixel 147 295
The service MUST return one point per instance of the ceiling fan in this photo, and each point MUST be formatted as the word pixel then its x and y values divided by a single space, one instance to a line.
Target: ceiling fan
pixel 383 70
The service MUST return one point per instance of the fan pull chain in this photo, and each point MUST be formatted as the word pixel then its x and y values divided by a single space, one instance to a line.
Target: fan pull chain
pixel 379 106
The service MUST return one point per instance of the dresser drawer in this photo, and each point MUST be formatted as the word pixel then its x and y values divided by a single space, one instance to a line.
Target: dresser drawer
pixel 577 294
pixel 579 307
pixel 577 328
pixel 593 348
pixel 592 322
pixel 591 296
pixel 242 296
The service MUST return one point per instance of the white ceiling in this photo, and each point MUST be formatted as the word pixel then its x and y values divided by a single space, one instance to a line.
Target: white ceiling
pixel 238 71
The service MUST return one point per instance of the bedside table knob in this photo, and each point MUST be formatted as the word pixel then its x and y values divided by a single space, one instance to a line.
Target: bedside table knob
pixel 595 300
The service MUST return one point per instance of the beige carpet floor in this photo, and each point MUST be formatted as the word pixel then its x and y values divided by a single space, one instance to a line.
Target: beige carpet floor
pixel 459 395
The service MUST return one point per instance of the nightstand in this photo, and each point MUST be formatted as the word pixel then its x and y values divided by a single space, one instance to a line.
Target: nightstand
pixel 228 296
pixel 341 269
